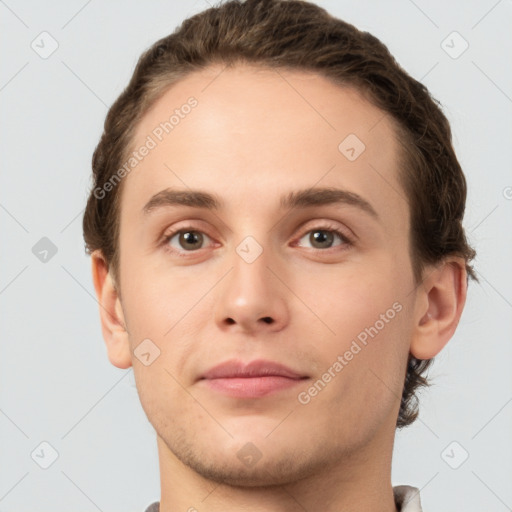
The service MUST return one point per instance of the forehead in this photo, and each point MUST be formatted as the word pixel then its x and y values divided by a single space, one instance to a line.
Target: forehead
pixel 272 130
pixel 256 100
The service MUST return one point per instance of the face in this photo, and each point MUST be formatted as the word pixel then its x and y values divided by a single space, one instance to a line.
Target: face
pixel 279 274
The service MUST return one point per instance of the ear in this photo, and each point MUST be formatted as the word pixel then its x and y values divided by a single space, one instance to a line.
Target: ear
pixel 440 299
pixel 111 313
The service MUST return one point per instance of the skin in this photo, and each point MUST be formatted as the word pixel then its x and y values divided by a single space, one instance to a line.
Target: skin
pixel 251 138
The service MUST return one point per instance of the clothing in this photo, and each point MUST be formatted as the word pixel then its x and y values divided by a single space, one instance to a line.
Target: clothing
pixel 407 499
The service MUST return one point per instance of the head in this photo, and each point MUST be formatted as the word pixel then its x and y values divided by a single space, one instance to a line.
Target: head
pixel 264 95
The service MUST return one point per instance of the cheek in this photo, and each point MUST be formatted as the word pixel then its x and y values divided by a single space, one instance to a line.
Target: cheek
pixel 348 299
pixel 154 300
pixel 169 309
pixel 366 344
pixel 361 377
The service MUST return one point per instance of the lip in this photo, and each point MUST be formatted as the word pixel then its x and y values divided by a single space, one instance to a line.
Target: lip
pixel 250 380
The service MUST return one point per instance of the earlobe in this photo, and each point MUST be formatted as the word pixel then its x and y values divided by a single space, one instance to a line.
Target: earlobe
pixel 439 304
pixel 112 319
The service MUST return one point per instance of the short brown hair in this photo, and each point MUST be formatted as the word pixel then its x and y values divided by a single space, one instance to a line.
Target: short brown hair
pixel 299 35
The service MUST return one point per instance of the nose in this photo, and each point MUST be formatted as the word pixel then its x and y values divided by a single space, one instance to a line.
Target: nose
pixel 252 297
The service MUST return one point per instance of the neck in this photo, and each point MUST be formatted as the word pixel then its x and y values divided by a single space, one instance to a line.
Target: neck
pixel 360 480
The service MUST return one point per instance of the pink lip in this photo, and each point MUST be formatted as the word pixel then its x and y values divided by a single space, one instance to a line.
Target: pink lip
pixel 252 380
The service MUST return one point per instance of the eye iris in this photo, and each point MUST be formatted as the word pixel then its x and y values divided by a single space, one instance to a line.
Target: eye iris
pixel 189 237
pixel 322 237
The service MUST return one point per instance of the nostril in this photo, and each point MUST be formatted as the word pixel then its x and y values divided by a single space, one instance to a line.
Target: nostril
pixel 268 320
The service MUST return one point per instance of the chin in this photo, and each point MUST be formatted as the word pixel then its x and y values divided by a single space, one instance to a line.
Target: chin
pixel 247 460
pixel 279 469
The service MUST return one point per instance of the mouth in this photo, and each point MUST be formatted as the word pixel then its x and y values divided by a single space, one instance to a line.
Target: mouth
pixel 253 380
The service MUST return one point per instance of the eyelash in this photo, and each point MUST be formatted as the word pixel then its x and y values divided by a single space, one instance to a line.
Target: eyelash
pixel 347 241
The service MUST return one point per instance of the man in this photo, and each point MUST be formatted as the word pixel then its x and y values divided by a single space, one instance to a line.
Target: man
pixel 277 250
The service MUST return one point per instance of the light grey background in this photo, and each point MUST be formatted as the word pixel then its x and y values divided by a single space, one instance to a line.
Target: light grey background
pixel 56 383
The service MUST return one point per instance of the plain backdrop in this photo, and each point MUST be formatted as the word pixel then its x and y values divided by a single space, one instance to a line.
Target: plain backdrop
pixel 57 386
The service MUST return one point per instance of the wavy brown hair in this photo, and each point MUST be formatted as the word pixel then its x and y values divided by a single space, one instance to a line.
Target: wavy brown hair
pixel 294 34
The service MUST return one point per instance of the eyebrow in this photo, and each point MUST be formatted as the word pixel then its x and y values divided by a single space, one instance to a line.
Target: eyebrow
pixel 298 199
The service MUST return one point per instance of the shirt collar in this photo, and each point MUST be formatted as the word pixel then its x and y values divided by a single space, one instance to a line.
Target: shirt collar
pixel 407 498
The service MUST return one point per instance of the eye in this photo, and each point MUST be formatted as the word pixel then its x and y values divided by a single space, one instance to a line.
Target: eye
pixel 190 240
pixel 323 237
pixel 186 239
